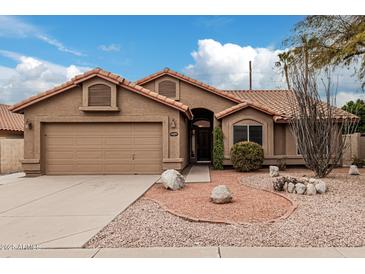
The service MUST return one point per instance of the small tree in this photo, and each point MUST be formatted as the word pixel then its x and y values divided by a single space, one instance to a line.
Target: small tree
pixel 317 125
pixel 357 108
pixel 218 148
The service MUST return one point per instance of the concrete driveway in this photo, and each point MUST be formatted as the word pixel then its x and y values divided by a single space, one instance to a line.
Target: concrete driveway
pixel 63 211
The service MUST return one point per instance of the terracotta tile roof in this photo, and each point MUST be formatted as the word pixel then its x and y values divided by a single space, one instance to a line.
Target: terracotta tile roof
pixel 276 101
pixel 246 104
pixel 180 76
pixel 9 120
pixel 109 77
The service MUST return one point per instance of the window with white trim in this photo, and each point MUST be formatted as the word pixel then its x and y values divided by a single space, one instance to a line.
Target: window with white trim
pixel 252 133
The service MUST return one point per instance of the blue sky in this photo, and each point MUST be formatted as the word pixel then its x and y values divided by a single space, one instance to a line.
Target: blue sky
pixel 38 52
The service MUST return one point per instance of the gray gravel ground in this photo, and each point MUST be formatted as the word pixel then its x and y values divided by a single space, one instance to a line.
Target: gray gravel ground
pixel 336 218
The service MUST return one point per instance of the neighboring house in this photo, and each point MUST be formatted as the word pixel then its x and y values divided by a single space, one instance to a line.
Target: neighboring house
pixel 11 140
pixel 101 123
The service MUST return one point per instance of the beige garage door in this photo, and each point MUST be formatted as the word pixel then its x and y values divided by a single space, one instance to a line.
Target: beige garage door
pixel 103 148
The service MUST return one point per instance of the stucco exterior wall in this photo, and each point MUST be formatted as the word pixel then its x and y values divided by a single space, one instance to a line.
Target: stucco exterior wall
pixel 354 147
pixel 280 139
pixel 252 115
pixel 290 142
pixel 184 140
pixel 11 134
pixel 11 154
pixel 65 108
pixel 196 97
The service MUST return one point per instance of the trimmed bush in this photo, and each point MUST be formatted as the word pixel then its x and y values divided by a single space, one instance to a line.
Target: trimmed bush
pixel 247 156
pixel 218 148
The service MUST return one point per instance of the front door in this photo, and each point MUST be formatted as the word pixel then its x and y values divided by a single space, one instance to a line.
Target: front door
pixel 203 144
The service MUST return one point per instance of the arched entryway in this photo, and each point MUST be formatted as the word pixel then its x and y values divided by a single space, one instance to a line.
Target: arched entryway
pixel 201 137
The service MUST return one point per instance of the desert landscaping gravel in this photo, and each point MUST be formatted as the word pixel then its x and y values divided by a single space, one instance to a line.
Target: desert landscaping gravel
pixel 336 218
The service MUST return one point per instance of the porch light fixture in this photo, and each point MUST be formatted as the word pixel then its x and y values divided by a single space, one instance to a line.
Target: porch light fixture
pixel 173 123
pixel 28 124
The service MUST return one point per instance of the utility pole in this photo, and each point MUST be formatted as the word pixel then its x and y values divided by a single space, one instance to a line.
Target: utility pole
pixel 250 74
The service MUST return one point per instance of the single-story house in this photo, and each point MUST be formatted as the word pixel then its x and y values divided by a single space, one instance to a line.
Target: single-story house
pixel 11 140
pixel 101 123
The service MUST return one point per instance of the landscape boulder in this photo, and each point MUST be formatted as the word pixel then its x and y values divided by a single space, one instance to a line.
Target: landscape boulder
pixel 291 187
pixel 279 184
pixel 354 170
pixel 300 188
pixel 311 189
pixel 221 195
pixel 320 186
pixel 274 171
pixel 172 179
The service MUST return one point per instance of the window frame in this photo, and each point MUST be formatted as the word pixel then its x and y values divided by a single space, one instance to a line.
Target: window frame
pixel 248 132
pixel 85 96
pixel 109 90
pixel 177 83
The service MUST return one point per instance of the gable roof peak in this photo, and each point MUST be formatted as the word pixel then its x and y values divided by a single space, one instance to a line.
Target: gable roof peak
pixel 108 76
pixel 185 78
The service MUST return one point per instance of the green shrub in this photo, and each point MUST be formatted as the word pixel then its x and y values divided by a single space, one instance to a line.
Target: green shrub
pixel 247 156
pixel 218 148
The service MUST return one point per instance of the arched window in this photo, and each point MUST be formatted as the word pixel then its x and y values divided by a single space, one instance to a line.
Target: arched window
pixel 99 95
pixel 167 88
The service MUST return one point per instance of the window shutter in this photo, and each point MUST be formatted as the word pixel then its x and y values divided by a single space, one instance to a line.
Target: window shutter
pixel 99 95
pixel 167 88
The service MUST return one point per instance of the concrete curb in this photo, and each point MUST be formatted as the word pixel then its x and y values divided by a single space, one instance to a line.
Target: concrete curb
pixel 189 252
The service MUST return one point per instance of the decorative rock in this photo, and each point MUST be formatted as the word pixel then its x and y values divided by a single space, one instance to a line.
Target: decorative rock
pixel 221 195
pixel 311 189
pixel 300 188
pixel 279 184
pixel 313 180
pixel 354 170
pixel 320 187
pixel 291 187
pixel 172 179
pixel 274 171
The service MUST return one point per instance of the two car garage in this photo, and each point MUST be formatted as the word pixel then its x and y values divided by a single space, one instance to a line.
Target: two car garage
pixel 102 148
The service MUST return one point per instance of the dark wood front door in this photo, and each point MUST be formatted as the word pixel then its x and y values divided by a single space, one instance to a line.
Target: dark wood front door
pixel 204 144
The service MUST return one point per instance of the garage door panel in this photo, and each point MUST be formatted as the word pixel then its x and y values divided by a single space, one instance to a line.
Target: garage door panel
pixel 144 141
pixel 103 148
pixel 87 155
pixel 147 155
pixel 118 154
pixel 59 141
pixel 118 140
pixel 87 141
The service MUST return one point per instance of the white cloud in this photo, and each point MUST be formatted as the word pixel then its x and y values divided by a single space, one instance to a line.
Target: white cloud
pixel 226 66
pixel 58 45
pixel 15 28
pixel 32 75
pixel 110 48
pixel 343 97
